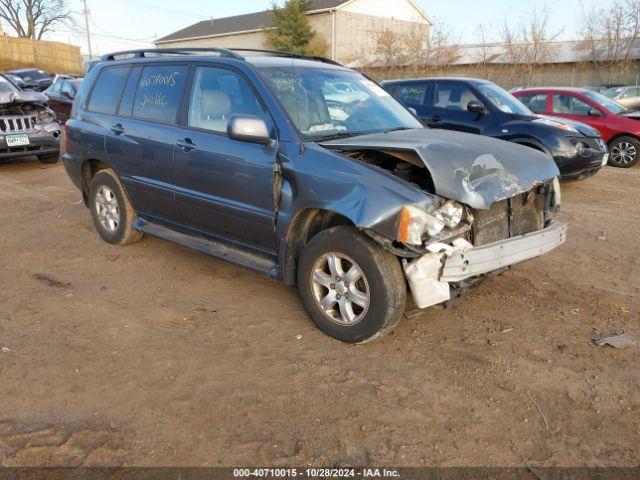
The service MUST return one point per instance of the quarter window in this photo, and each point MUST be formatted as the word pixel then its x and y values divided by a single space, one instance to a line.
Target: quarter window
pixel 106 90
pixel 570 105
pixel 159 93
pixel 126 102
pixel 217 94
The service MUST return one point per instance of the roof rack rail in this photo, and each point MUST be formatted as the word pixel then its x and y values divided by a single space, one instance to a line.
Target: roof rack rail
pixel 223 52
pixel 287 54
pixel 142 53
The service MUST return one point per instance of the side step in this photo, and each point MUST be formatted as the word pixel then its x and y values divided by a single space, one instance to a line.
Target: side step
pixel 215 248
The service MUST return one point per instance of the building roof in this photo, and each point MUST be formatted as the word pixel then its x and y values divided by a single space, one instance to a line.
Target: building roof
pixel 240 23
pixel 572 51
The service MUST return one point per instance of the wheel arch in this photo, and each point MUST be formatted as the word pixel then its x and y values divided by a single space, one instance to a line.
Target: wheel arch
pixel 617 136
pixel 305 225
pixel 88 169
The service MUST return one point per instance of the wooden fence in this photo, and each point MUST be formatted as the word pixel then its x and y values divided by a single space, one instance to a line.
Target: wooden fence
pixel 53 57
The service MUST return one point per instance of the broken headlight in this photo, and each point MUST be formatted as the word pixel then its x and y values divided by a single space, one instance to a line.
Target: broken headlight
pixel 414 222
pixel 46 116
pixel 452 213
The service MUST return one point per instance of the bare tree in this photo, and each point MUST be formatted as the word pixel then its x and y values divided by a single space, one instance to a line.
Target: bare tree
pixel 388 48
pixel 34 18
pixel 434 48
pixel 611 34
pixel 486 53
pixel 528 45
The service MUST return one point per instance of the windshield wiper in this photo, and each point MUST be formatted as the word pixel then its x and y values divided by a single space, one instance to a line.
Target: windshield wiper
pixel 396 129
pixel 335 136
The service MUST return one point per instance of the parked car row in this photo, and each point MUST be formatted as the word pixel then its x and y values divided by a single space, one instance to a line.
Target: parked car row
pixel 32 108
pixel 618 125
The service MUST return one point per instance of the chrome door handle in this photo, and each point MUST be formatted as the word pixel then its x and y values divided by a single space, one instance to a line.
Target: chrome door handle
pixel 118 129
pixel 186 145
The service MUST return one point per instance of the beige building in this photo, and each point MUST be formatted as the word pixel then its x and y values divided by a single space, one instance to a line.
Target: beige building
pixel 349 27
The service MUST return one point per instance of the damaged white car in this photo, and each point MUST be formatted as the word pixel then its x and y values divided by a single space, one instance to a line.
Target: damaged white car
pixel 28 127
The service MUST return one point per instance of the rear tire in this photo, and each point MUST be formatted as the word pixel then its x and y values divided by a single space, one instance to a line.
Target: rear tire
pixel 111 211
pixel 624 152
pixel 353 289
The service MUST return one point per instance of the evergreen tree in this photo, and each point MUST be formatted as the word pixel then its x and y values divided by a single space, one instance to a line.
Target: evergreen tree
pixel 292 32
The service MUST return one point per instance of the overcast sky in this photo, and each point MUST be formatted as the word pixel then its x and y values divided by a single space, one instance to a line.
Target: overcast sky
pixel 125 24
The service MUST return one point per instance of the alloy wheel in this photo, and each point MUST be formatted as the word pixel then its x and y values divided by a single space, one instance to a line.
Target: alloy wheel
pixel 107 208
pixel 340 288
pixel 623 153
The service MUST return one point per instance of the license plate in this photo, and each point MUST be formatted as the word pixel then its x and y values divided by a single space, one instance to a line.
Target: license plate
pixel 17 140
pixel 605 159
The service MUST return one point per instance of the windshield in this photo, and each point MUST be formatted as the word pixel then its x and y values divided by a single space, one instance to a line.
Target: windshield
pixel 6 86
pixel 326 103
pixel 503 99
pixel 613 107
pixel 32 75
pixel 612 92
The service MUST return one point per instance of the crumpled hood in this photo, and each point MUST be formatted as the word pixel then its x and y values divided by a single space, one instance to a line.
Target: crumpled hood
pixel 22 97
pixel 472 169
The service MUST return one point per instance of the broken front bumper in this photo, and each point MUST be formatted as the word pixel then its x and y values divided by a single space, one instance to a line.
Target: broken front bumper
pixel 429 278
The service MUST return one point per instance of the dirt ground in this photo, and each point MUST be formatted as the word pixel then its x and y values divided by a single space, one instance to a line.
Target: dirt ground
pixel 155 355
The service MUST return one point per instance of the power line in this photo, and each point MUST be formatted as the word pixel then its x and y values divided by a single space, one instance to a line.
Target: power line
pixel 163 9
pixel 143 39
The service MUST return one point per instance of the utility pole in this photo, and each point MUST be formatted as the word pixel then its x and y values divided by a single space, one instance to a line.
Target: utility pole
pixel 86 22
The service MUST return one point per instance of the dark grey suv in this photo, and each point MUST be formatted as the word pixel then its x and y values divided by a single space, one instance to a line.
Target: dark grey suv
pixel 309 172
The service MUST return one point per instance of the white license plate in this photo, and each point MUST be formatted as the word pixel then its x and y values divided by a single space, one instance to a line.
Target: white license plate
pixel 17 140
pixel 605 159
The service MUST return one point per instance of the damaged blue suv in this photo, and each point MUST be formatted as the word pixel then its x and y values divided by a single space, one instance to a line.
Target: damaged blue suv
pixel 309 172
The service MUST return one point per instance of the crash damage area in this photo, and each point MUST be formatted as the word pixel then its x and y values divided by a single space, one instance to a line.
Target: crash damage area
pixel 498 207
pixel 449 387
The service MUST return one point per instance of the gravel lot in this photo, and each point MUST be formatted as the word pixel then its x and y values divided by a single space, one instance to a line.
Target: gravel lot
pixel 156 355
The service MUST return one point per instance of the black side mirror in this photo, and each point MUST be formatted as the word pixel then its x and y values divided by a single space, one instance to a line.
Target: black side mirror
pixel 476 107
pixel 67 95
pixel 594 112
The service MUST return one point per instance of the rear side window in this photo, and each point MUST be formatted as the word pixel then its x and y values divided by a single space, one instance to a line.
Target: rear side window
pixel 537 102
pixel 160 90
pixel 411 94
pixel 106 90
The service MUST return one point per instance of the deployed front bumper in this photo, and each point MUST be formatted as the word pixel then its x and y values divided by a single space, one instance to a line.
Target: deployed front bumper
pixel 494 256
pixel 429 275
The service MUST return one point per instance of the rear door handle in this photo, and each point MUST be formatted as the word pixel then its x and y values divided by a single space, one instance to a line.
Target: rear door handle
pixel 186 145
pixel 435 119
pixel 118 129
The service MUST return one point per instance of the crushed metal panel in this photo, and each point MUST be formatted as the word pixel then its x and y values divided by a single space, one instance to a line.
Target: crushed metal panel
pixel 472 169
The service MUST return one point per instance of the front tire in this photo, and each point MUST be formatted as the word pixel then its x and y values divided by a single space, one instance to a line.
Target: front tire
pixel 111 211
pixel 352 288
pixel 624 152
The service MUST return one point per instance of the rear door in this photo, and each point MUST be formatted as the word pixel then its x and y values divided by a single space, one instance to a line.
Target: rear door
pixel 447 107
pixel 224 187
pixel 142 133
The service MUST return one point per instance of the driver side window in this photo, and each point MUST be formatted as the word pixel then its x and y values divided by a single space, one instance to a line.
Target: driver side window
pixel 218 93
pixel 452 96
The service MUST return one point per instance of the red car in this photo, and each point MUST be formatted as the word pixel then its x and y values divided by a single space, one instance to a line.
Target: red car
pixel 619 126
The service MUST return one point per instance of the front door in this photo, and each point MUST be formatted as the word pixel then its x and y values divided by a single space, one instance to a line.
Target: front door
pixel 567 105
pixel 448 108
pixel 224 187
